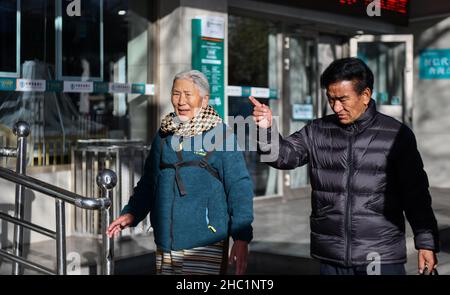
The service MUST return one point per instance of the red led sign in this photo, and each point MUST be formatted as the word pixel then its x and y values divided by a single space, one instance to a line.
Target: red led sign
pixel 391 11
pixel 399 6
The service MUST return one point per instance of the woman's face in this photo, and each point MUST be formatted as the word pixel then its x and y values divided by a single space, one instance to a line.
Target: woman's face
pixel 186 99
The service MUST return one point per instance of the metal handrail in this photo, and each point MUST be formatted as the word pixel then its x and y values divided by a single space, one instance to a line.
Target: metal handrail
pixel 29 225
pixel 108 145
pixel 106 180
pixel 54 191
pixel 126 158
pixel 108 142
pixel 25 262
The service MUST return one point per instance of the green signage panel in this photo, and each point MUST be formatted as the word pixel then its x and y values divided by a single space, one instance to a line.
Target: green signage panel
pixel 101 87
pixel 246 91
pixel 434 64
pixel 55 86
pixel 273 93
pixel 138 88
pixel 7 84
pixel 208 57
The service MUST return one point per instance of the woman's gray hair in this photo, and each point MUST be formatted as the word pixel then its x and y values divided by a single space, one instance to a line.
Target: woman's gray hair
pixel 197 77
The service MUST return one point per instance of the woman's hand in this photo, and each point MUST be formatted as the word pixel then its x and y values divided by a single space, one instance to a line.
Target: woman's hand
pixel 239 253
pixel 119 224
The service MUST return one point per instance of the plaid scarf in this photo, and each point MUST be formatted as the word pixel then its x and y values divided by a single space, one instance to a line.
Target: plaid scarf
pixel 205 120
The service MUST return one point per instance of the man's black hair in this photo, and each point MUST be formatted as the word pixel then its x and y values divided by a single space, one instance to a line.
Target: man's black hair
pixel 348 69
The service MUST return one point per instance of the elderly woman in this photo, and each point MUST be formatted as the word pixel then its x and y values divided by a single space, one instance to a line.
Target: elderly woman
pixel 197 196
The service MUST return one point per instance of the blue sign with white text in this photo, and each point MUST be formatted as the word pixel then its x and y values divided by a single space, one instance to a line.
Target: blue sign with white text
pixel 434 64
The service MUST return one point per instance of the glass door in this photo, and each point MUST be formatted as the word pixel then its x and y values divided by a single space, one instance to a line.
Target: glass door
pixel 284 60
pixel 391 59
pixel 253 70
pixel 300 92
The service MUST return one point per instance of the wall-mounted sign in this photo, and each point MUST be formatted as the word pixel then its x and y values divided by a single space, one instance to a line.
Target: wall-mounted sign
pixel 150 89
pixel 213 27
pixel 246 91
pixel 260 92
pixel 120 87
pixel 302 112
pixel 27 85
pixel 234 91
pixel 208 56
pixel 78 87
pixel 434 64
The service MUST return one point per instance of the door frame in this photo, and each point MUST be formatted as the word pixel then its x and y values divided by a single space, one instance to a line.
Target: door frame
pixel 404 111
pixel 286 107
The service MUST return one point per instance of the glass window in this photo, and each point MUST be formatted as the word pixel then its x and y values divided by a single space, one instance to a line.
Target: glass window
pixel 107 43
pixel 301 92
pixel 387 61
pixel 80 41
pixel 252 55
pixel 37 32
pixel 249 39
pixel 8 36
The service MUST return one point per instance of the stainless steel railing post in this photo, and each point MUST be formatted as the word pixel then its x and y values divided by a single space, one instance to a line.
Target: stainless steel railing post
pixel 61 258
pixel 107 180
pixel 21 130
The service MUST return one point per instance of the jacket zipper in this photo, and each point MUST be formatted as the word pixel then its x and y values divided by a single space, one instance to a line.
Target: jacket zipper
pixel 348 207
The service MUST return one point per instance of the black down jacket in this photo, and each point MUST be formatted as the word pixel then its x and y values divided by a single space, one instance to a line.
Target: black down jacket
pixel 364 177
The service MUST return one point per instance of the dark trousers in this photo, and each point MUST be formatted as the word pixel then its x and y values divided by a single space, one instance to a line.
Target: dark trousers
pixel 385 269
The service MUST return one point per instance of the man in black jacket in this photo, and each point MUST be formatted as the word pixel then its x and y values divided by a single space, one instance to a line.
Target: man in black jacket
pixel 365 171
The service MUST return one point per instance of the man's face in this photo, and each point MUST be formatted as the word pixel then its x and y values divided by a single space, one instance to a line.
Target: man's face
pixel 345 101
pixel 186 99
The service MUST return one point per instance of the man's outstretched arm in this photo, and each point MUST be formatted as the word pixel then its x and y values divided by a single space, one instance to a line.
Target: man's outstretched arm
pixel 276 151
